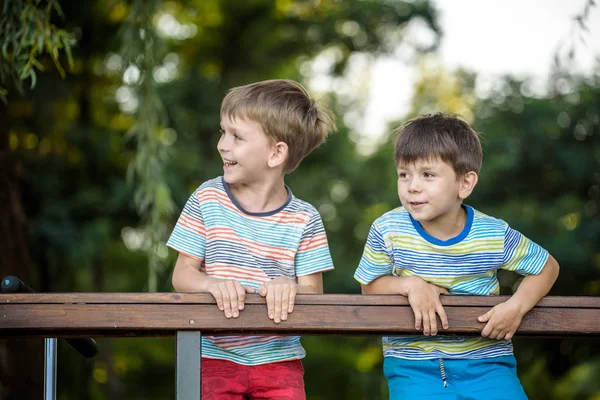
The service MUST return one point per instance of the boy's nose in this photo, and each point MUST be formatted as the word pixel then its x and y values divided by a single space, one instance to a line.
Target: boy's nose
pixel 414 185
pixel 223 144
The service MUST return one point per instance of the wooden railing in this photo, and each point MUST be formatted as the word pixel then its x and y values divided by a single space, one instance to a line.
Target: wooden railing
pixel 188 315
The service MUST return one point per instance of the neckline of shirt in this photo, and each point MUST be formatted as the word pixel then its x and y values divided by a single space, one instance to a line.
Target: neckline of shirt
pixel 457 239
pixel 255 214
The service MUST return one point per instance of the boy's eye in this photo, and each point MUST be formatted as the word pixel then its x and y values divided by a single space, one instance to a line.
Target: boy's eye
pixel 428 175
pixel 237 137
pixel 221 131
pixel 402 174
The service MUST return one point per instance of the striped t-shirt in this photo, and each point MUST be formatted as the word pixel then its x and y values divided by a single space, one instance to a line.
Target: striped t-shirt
pixel 251 248
pixel 465 265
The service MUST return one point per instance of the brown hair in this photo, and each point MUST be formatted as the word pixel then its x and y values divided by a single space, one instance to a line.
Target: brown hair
pixel 440 136
pixel 286 113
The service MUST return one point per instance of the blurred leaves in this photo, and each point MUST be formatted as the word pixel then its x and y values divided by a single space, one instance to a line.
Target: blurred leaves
pixel 141 53
pixel 26 34
pixel 568 47
pixel 143 100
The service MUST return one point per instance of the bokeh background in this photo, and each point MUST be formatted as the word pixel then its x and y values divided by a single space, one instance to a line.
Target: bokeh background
pixel 110 119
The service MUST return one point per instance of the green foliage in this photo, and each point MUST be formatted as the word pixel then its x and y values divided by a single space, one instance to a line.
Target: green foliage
pixel 26 34
pixel 78 138
pixel 141 53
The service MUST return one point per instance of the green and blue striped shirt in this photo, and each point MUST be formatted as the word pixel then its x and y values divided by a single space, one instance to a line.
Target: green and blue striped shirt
pixel 467 264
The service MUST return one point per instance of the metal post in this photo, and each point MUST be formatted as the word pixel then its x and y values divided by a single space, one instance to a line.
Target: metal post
pixel 50 369
pixel 189 354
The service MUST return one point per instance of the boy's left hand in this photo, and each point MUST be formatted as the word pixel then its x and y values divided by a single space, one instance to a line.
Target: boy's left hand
pixel 280 294
pixel 502 321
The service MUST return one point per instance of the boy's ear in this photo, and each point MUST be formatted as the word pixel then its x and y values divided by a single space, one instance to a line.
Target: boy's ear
pixel 467 184
pixel 278 155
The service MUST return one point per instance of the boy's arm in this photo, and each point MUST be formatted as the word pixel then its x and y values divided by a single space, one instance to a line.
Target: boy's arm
pixel 534 287
pixel 504 319
pixel 423 297
pixel 374 273
pixel 312 284
pixel 389 285
pixel 189 277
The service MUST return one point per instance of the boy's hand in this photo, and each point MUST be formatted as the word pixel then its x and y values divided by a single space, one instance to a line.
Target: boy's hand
pixel 424 299
pixel 230 296
pixel 502 321
pixel 281 294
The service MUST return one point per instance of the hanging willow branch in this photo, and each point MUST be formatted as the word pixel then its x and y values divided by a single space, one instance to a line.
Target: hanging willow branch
pixel 26 35
pixel 566 49
pixel 142 51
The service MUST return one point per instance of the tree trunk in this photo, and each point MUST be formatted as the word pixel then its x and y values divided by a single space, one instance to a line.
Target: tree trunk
pixel 21 360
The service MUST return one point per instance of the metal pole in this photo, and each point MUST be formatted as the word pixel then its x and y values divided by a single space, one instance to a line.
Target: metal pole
pixel 50 369
pixel 189 354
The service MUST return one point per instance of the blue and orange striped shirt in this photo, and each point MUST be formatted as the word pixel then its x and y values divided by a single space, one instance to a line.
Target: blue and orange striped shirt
pixel 398 245
pixel 251 248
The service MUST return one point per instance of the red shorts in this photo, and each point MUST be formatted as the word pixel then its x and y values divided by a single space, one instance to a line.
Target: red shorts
pixel 226 380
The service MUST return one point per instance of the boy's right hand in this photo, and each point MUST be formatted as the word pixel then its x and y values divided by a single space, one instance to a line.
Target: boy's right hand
pixel 230 296
pixel 424 299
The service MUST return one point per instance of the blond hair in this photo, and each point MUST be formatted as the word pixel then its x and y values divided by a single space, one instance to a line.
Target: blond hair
pixel 286 113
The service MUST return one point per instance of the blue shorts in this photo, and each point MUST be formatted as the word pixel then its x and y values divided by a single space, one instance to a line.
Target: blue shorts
pixel 488 378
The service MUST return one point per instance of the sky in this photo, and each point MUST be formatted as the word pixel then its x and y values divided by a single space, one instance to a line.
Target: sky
pixel 490 37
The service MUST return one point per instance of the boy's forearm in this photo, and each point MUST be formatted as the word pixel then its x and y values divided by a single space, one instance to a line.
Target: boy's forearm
pixel 192 281
pixel 197 282
pixel 310 284
pixel 534 287
pixel 307 289
pixel 388 285
pixel 187 276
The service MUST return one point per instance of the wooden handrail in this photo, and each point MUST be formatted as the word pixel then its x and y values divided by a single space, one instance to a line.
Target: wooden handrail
pixel 163 314
pixel 191 315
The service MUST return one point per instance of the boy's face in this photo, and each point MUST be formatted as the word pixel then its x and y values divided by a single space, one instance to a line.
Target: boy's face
pixel 430 191
pixel 245 150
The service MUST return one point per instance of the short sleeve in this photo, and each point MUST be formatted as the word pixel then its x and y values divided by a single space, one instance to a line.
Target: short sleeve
pixel 522 255
pixel 313 251
pixel 189 235
pixel 376 260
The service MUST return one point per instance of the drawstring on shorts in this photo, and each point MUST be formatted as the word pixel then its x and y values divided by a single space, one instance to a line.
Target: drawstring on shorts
pixel 443 373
